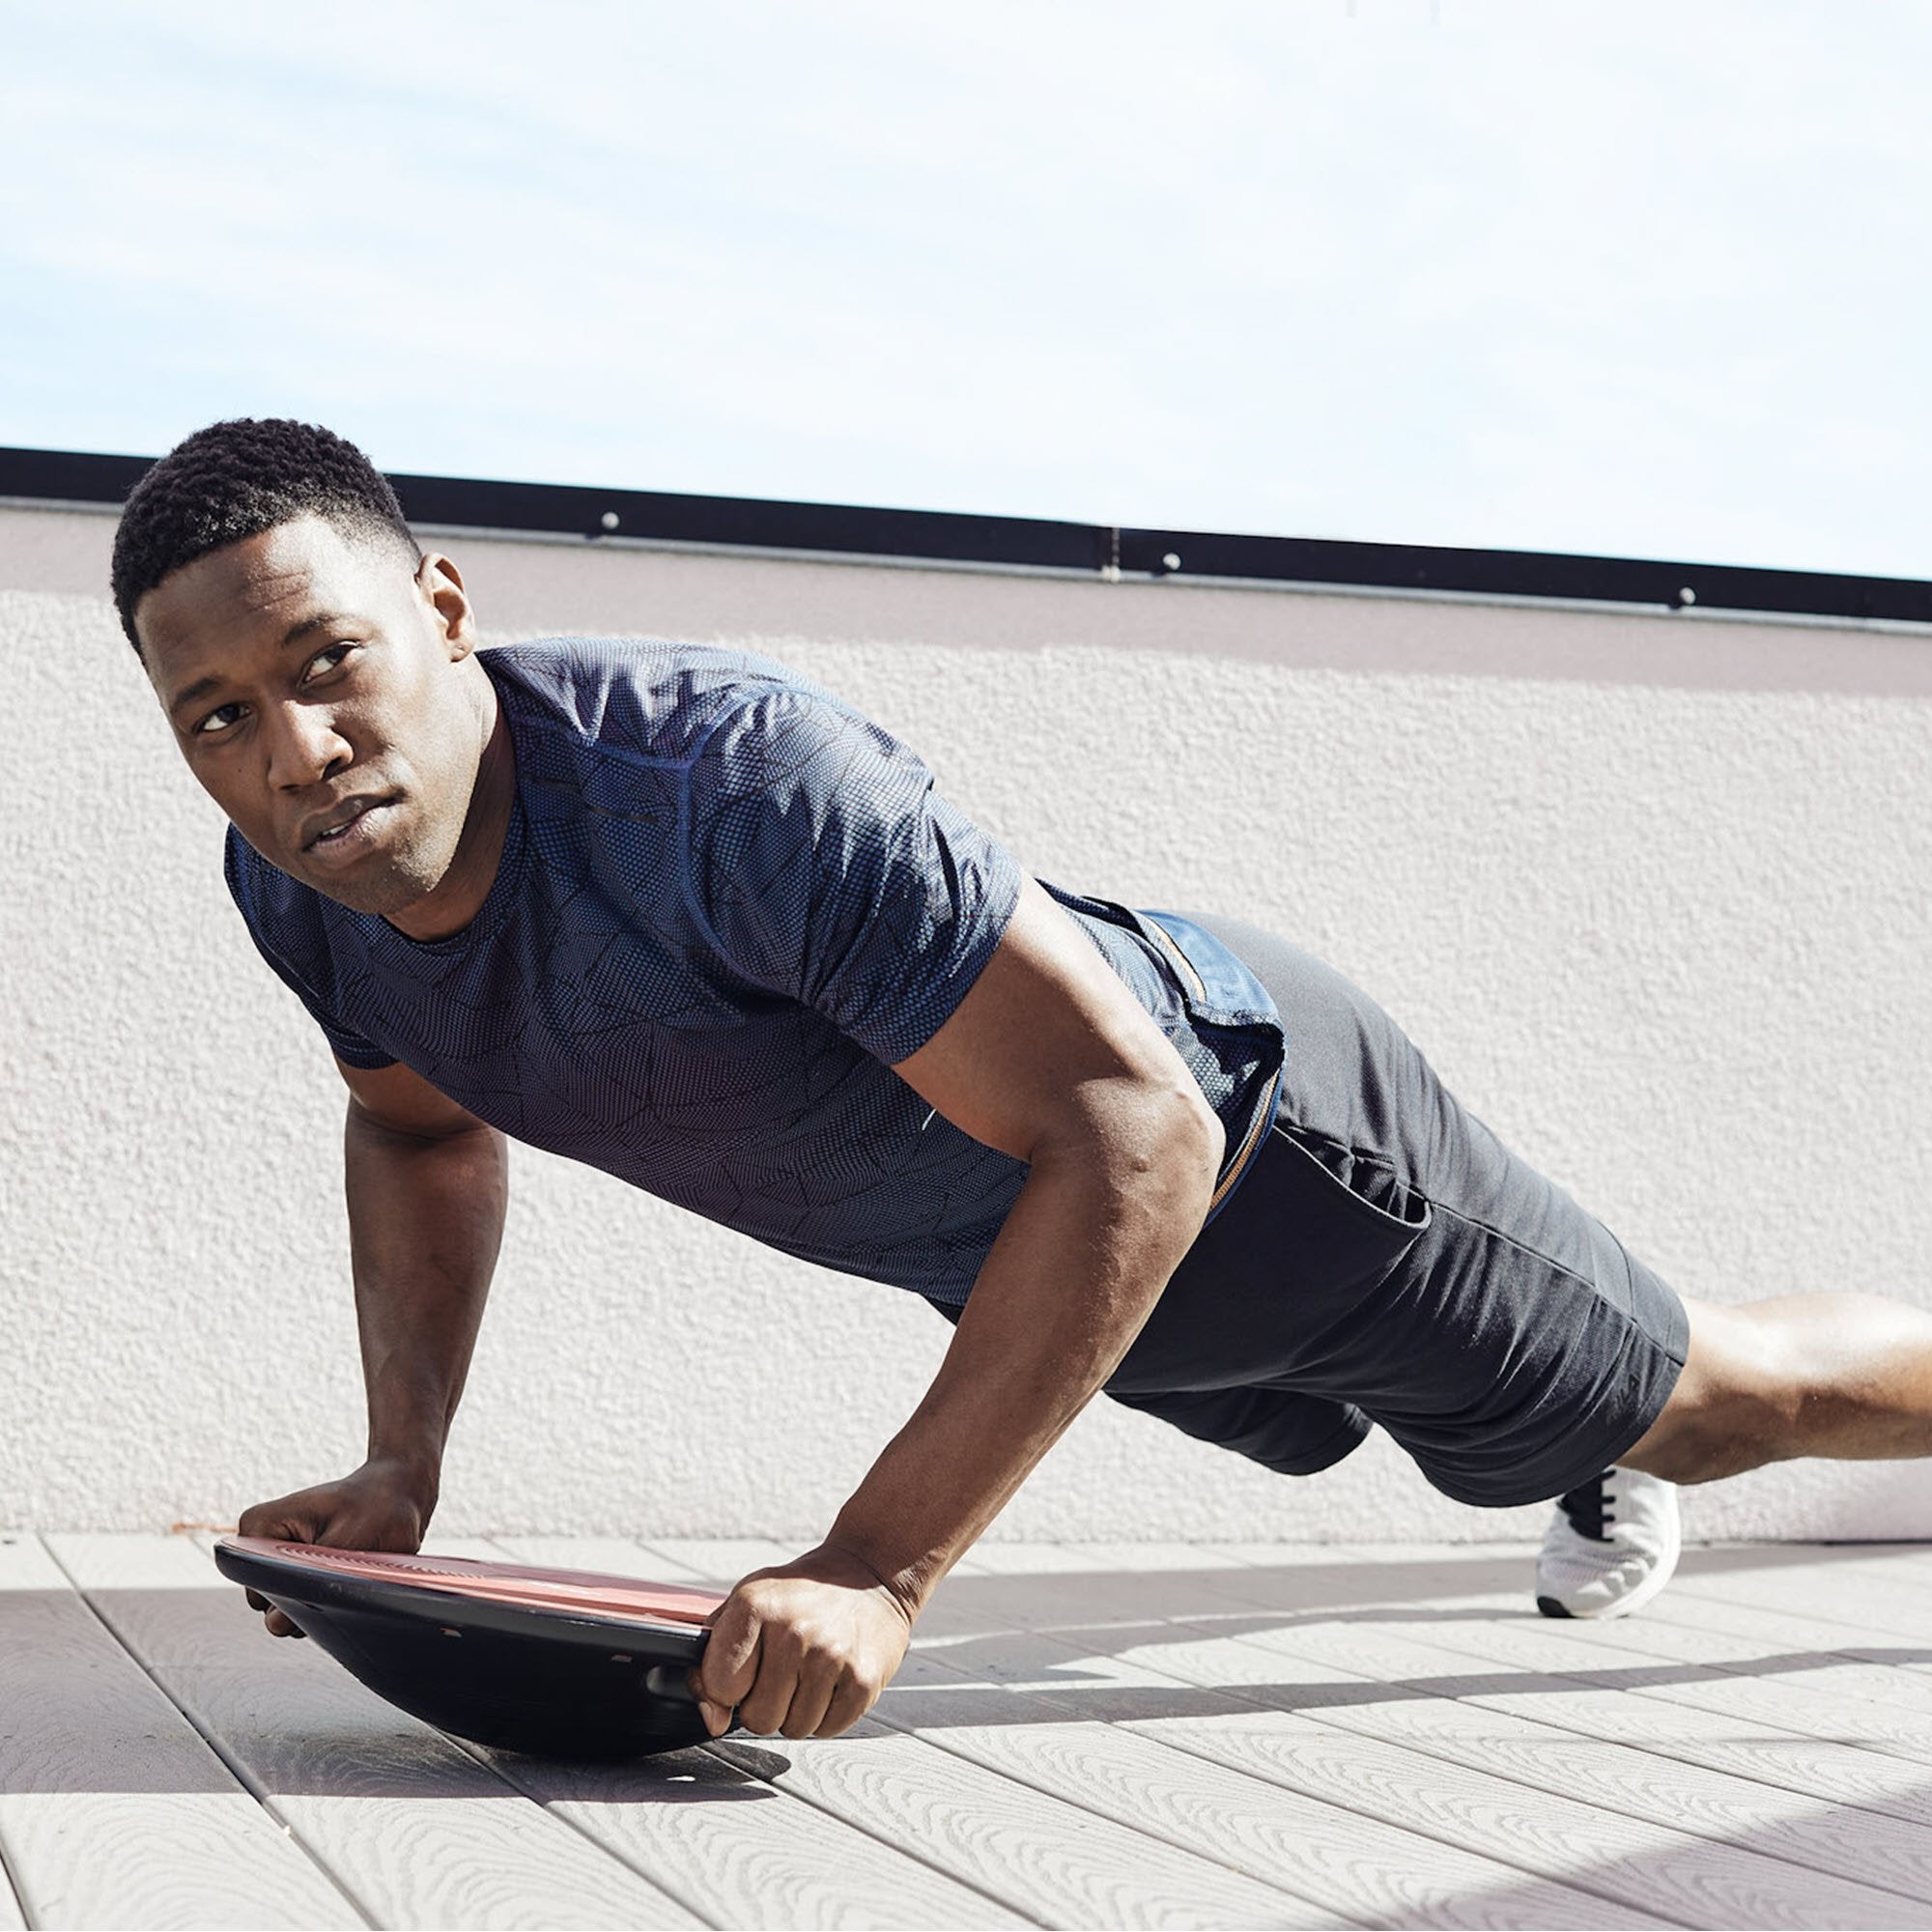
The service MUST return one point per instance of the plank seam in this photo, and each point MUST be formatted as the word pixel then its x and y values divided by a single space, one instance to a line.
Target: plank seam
pixel 1710 1835
pixel 1161 1838
pixel 1446 1644
pixel 1444 1835
pixel 651 1878
pixel 1744 1668
pixel 1265 1785
pixel 703 1915
pixel 235 1771
pixel 1831 1657
pixel 1261 1778
pixel 1429 1750
pixel 13 1890
pixel 721 1749
pixel 1677 1618
pixel 1700 1589
pixel 1715 1673
pixel 780 1791
pixel 1558 1675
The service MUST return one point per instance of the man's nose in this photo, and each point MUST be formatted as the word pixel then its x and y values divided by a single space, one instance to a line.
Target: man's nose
pixel 305 746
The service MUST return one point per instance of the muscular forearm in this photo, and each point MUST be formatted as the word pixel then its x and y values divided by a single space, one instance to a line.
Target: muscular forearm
pixel 425 1220
pixel 1077 1268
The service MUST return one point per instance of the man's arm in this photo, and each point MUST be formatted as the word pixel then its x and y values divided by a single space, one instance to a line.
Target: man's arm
pixel 427 1184
pixel 1051 1060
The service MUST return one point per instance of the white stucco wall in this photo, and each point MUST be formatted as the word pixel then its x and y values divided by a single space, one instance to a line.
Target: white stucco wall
pixel 1650 890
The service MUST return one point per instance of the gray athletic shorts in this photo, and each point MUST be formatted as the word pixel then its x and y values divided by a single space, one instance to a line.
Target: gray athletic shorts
pixel 1387 1260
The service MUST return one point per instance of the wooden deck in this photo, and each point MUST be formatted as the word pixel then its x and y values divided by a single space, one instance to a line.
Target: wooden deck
pixel 1083 1736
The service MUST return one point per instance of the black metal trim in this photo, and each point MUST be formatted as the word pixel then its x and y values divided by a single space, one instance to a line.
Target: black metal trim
pixel 749 523
pixel 947 537
pixel 66 476
pixel 1522 572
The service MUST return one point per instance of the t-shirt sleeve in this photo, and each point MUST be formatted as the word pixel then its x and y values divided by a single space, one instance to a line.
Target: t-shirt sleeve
pixel 239 865
pixel 825 866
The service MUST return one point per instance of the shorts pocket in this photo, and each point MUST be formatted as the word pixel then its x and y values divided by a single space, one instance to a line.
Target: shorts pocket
pixel 1259 1296
pixel 1370 1186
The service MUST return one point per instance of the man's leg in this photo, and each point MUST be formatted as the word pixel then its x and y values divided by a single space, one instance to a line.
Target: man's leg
pixel 1507 1238
pixel 1844 1376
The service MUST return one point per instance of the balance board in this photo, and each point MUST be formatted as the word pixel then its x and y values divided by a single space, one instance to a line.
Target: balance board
pixel 558 1662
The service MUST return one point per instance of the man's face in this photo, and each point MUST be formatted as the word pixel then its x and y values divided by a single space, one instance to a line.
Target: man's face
pixel 320 693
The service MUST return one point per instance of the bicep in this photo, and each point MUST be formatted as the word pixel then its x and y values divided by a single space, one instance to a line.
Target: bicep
pixel 1048 1043
pixel 398 1098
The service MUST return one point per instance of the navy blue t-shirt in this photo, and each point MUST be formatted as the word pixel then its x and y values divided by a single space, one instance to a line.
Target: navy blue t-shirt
pixel 728 905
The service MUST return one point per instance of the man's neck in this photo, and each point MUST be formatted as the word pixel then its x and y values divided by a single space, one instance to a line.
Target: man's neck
pixel 458 897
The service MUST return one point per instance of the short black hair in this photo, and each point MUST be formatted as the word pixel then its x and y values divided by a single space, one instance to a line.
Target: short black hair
pixel 236 479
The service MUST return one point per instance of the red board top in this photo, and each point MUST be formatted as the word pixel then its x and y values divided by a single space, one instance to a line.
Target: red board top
pixel 583 1590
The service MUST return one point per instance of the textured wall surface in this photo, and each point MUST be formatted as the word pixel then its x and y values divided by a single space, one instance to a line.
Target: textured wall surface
pixel 1650 891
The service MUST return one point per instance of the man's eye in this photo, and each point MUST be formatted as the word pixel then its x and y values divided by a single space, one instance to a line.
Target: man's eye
pixel 217 720
pixel 327 661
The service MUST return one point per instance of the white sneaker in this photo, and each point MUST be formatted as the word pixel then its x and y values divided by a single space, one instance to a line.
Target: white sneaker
pixel 1612 1547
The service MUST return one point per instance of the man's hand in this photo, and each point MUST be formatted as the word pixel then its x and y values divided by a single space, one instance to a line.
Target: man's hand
pixel 383 1505
pixel 803 1649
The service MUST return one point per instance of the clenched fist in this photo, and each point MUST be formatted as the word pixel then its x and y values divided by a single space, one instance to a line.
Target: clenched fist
pixel 383 1505
pixel 803 1649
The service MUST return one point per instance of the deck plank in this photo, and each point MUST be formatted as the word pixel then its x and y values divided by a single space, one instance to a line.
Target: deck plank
pixel 113 1811
pixel 1869 1597
pixel 1792 1621
pixel 1615 1695
pixel 1909 1561
pixel 1355 1865
pixel 1656 1665
pixel 1817 1668
pixel 1082 1735
pixel 1430 1701
pixel 1054 1857
pixel 1632 1848
pixel 1060 1862
pixel 417 1831
pixel 1907 1665
pixel 744 1849
pixel 1166 1776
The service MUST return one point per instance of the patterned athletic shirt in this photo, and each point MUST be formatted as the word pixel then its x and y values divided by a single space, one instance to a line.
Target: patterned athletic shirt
pixel 727 904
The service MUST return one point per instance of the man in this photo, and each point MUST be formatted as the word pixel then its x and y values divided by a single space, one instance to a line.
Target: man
pixel 682 915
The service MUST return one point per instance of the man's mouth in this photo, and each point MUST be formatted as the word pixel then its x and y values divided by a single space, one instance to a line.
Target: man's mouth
pixel 353 830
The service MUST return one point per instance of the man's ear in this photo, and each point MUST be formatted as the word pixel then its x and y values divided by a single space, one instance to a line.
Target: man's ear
pixel 440 584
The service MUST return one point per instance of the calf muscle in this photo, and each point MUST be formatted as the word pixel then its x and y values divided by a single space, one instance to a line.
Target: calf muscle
pixel 1844 1376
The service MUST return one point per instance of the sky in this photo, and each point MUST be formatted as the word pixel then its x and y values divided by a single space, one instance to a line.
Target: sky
pixel 1650 279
